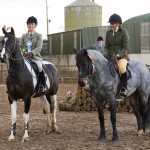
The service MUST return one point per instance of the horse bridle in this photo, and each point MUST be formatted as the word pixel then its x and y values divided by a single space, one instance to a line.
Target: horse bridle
pixel 91 71
pixel 88 75
pixel 10 50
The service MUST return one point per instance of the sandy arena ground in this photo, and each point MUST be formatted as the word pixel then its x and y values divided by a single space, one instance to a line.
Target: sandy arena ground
pixel 78 130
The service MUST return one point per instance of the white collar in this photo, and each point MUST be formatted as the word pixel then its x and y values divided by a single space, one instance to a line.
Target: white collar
pixel 30 32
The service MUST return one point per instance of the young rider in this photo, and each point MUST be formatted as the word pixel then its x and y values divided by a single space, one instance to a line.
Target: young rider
pixel 32 43
pixel 116 47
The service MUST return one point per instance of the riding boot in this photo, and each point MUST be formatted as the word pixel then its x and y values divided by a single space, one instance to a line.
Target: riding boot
pixel 42 85
pixel 123 78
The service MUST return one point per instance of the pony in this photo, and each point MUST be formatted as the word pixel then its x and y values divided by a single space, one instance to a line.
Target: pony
pixel 21 83
pixel 95 73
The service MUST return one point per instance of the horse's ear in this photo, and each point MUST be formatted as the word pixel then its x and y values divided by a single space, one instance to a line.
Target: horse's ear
pixel 87 54
pixel 4 31
pixel 85 51
pixel 12 31
pixel 75 51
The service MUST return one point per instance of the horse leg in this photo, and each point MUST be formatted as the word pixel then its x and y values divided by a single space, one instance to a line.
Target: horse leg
pixel 102 135
pixel 13 119
pixel 54 107
pixel 27 103
pixel 46 107
pixel 143 100
pixel 133 102
pixel 112 106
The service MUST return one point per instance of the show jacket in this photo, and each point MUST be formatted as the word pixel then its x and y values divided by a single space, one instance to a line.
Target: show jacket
pixel 37 44
pixel 117 43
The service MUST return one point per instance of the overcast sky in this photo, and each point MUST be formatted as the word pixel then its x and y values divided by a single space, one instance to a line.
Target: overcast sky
pixel 15 13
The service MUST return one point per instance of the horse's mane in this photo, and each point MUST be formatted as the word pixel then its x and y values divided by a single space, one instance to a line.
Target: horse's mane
pixel 95 55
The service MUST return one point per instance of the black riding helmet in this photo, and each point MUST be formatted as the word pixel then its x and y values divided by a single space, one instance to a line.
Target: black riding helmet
pixel 115 18
pixel 32 19
pixel 99 38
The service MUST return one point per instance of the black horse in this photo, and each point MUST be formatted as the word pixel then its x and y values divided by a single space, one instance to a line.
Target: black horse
pixel 92 65
pixel 22 81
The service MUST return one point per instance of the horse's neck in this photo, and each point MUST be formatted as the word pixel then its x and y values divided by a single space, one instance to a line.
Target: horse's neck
pixel 102 70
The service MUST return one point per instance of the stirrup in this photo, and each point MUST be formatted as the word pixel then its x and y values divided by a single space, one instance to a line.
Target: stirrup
pixel 124 92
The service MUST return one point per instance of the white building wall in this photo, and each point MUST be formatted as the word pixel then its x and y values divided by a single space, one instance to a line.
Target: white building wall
pixel 145 58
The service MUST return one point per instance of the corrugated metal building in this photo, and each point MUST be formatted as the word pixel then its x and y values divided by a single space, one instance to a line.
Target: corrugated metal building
pixel 139 32
pixel 137 27
pixel 64 42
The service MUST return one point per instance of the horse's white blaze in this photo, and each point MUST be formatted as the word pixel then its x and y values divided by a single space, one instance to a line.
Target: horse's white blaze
pixel 14 112
pixel 32 73
pixel 3 48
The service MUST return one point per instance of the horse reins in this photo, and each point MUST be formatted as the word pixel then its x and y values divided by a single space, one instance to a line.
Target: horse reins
pixel 10 50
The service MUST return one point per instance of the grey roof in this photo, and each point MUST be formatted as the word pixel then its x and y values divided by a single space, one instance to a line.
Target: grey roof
pixel 83 3
pixel 138 19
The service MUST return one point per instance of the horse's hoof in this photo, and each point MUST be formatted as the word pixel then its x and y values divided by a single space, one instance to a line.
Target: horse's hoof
pixel 11 138
pixel 101 138
pixel 140 133
pixel 54 129
pixel 25 139
pixel 114 139
pixel 47 131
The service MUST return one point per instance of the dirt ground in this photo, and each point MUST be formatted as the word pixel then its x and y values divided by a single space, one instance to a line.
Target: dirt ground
pixel 78 130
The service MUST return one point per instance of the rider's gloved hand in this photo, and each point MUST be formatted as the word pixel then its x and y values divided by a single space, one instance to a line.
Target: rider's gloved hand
pixel 25 54
pixel 30 54
pixel 118 56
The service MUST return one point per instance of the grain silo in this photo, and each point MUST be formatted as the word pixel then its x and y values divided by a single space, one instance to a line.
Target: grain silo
pixel 81 14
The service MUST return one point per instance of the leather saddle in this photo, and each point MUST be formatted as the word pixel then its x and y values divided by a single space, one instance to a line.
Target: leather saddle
pixel 35 67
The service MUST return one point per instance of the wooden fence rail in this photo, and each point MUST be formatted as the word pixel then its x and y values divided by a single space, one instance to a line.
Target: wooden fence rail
pixel 67 74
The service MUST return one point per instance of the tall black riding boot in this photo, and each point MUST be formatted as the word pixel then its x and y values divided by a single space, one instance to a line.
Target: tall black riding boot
pixel 124 85
pixel 42 85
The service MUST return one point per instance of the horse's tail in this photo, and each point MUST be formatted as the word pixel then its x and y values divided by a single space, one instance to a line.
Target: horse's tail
pixel 148 113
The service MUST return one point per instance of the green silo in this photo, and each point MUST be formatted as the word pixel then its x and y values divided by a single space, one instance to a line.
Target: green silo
pixel 81 14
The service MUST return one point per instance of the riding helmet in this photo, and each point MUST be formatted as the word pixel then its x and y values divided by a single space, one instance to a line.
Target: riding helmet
pixel 99 38
pixel 115 18
pixel 32 19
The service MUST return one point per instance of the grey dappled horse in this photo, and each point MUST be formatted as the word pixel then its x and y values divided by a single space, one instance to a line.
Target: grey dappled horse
pixel 93 65
pixel 22 82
